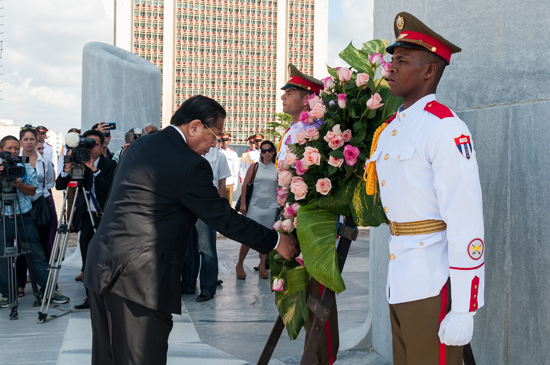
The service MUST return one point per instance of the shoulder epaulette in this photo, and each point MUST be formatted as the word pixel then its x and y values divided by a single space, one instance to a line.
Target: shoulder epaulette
pixel 49 144
pixel 391 118
pixel 439 110
pixel 231 149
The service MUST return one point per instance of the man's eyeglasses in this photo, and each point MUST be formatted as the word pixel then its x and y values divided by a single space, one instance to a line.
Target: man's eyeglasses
pixel 40 132
pixel 270 149
pixel 211 131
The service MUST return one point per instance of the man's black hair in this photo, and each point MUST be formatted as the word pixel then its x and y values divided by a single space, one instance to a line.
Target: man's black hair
pixel 93 132
pixel 207 110
pixel 7 138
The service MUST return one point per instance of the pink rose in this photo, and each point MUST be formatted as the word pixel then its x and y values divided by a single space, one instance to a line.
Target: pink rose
pixel 277 226
pixel 350 154
pixel 315 100
pixel 385 71
pixel 295 219
pixel 328 83
pixel 336 142
pixel 318 111
pixel 374 102
pixel 304 117
pixel 301 137
pixel 295 207
pixel 298 187
pixel 346 135
pixel 301 167
pixel 323 186
pixel 282 195
pixel 292 210
pixel 277 284
pixel 284 178
pixel 312 156
pixel 376 59
pixel 300 259
pixel 342 101
pixel 290 158
pixel 287 225
pixel 362 79
pixel 312 134
pixel 283 166
pixel 344 74
pixel 336 162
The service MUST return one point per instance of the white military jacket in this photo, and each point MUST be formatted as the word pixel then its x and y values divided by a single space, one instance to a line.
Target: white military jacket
pixel 427 169
pixel 247 158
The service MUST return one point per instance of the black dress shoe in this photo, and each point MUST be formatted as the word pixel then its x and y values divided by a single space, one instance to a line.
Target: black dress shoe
pixel 85 305
pixel 204 297
pixel 219 282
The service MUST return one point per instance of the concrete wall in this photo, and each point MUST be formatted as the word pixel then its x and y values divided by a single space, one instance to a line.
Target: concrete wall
pixel 120 87
pixel 499 86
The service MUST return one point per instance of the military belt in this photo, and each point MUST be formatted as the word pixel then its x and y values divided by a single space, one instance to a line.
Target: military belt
pixel 414 228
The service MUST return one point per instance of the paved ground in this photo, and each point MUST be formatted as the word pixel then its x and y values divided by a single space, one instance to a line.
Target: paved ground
pixel 230 329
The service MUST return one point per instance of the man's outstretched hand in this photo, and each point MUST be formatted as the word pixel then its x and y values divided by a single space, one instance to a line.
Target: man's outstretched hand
pixel 288 247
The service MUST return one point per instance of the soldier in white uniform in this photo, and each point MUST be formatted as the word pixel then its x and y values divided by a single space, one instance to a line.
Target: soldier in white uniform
pixel 230 154
pixel 248 158
pixel 48 148
pixel 428 181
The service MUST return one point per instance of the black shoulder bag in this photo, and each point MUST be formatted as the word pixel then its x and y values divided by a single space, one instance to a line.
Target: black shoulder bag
pixel 249 189
pixel 40 212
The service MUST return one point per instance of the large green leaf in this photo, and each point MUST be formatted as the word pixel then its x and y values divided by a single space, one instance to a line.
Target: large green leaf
pixel 366 211
pixel 291 303
pixel 317 236
pixel 357 59
pixel 376 46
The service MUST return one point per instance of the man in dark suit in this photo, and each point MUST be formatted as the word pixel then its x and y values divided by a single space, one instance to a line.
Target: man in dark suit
pixel 97 181
pixel 134 262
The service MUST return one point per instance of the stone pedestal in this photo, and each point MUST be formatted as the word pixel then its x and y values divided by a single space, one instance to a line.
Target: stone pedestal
pixel 120 87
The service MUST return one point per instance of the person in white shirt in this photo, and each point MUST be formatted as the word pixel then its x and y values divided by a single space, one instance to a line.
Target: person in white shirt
pixel 201 251
pixel 48 148
pixel 425 163
pixel 232 182
pixel 248 158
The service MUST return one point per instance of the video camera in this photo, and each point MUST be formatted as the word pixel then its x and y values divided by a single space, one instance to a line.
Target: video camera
pixel 80 154
pixel 11 170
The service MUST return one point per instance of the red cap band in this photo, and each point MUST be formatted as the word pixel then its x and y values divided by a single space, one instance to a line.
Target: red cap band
pixel 430 43
pixel 303 83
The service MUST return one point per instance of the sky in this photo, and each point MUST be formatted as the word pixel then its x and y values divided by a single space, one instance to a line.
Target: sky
pixel 42 52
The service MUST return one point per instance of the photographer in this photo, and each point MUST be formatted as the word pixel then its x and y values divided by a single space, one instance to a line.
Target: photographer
pixel 129 138
pixel 98 176
pixel 104 128
pixel 25 187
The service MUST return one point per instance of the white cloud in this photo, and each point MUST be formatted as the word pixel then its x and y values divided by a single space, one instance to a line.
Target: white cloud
pixel 355 23
pixel 43 43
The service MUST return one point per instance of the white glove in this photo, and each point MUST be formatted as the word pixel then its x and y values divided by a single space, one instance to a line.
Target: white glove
pixel 235 187
pixel 457 329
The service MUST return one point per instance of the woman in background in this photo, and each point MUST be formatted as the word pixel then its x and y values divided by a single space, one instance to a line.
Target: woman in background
pixel 263 203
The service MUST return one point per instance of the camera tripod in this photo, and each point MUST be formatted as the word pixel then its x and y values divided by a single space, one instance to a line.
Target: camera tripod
pixel 59 248
pixel 20 247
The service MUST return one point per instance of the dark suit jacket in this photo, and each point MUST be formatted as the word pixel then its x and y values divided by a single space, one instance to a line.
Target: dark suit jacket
pixel 160 189
pixel 102 184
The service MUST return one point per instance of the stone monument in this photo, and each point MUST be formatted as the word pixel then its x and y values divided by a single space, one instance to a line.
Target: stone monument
pixel 119 87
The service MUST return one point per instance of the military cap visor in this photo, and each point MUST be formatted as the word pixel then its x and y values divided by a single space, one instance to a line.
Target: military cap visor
pixel 412 33
pixel 299 80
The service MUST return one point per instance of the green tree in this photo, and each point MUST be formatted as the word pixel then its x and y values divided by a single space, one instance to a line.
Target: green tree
pixel 276 129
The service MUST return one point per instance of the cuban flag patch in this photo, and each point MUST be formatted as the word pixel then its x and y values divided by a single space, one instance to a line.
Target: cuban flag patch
pixel 464 145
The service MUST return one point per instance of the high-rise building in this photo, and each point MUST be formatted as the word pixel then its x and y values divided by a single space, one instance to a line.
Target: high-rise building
pixel 235 51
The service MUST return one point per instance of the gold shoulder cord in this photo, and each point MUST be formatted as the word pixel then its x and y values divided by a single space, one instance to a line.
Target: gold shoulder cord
pixel 370 176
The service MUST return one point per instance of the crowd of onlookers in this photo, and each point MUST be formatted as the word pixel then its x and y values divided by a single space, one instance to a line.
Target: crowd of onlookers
pixel 46 168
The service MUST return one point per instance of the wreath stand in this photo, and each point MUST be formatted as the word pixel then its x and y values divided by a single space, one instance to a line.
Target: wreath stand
pixel 319 308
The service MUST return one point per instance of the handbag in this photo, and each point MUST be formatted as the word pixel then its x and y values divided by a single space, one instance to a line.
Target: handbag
pixel 41 213
pixel 249 189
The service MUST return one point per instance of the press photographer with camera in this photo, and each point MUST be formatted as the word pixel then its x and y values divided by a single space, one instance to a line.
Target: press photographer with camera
pixel 97 177
pixel 21 176
pixel 129 138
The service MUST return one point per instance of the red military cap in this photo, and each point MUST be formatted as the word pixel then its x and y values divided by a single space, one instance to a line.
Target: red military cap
pixel 412 33
pixel 225 136
pixel 299 80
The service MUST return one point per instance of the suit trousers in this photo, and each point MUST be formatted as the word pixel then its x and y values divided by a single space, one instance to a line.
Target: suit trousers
pixel 86 234
pixel 414 332
pixel 330 340
pixel 229 193
pixel 126 333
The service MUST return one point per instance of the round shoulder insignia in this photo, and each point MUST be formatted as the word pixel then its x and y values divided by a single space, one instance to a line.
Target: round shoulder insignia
pixel 476 249
pixel 400 22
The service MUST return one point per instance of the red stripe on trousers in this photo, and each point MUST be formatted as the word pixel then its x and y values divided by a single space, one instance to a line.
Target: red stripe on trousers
pixel 442 314
pixel 327 330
